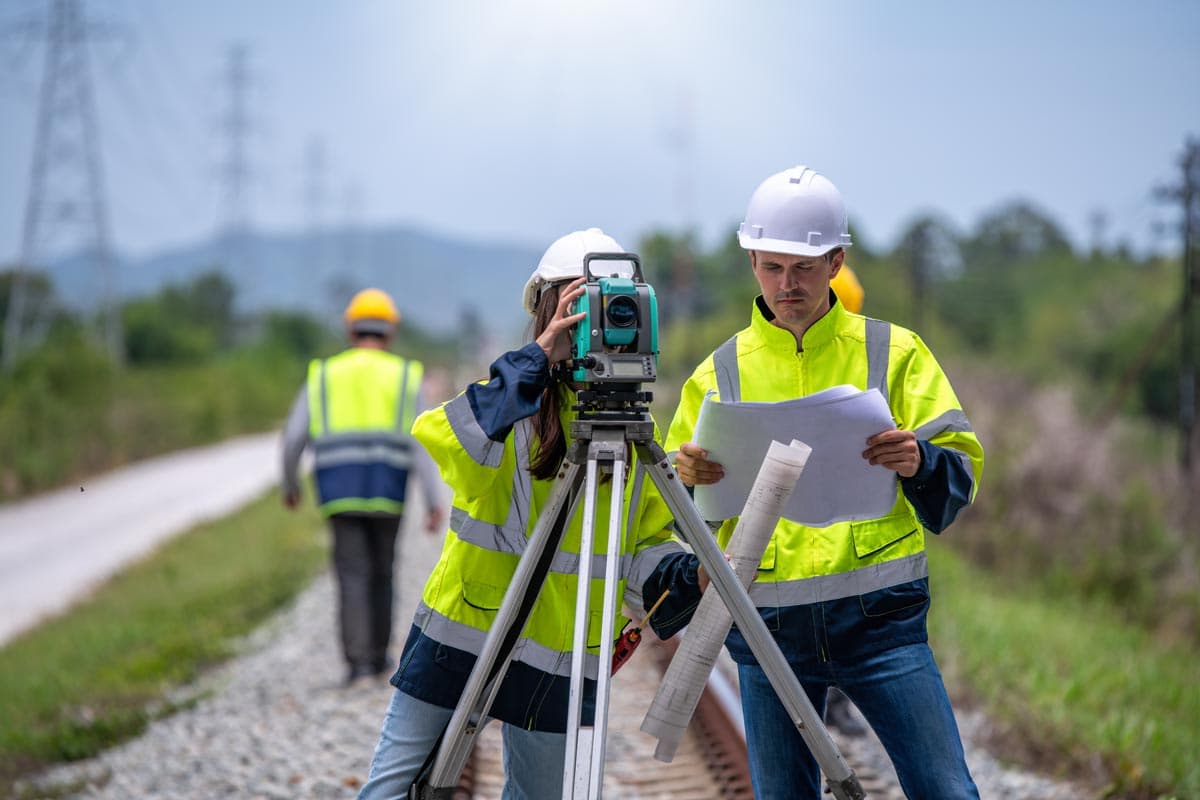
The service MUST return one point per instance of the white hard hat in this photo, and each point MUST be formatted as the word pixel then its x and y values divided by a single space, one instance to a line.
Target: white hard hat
pixel 563 260
pixel 797 211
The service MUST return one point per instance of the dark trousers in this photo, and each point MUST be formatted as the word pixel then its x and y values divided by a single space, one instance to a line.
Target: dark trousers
pixel 364 549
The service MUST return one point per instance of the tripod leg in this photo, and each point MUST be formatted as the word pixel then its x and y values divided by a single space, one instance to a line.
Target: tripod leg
pixel 608 624
pixel 496 653
pixel 843 783
pixel 583 768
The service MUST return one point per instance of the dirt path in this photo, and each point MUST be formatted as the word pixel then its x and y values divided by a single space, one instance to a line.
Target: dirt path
pixel 56 547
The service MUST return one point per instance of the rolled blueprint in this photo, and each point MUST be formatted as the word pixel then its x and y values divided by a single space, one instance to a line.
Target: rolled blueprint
pixel 688 672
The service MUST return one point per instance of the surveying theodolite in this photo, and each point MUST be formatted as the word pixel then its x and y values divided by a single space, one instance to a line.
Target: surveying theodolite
pixel 614 351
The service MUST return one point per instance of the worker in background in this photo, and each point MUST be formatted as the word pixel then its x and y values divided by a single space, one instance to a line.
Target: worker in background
pixel 356 411
pixel 848 290
pixel 500 445
pixel 846 603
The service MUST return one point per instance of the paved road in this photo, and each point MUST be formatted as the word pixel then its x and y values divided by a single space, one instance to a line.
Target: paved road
pixel 57 547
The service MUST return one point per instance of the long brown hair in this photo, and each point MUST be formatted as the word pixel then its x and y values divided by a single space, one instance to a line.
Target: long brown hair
pixel 547 425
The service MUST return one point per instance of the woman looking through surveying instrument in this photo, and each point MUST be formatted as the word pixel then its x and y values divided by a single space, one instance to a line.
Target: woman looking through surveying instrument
pixel 500 445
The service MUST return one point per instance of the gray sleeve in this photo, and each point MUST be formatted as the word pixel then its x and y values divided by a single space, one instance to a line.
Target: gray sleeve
pixel 426 470
pixel 295 438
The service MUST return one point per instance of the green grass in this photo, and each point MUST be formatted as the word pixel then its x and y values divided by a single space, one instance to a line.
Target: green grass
pixel 96 675
pixel 1072 679
pixel 71 415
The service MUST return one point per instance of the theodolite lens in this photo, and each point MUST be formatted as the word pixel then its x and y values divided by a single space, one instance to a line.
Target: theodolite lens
pixel 622 311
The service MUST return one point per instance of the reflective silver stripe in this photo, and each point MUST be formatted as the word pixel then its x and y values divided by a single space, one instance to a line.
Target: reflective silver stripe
pixel 725 364
pixel 442 629
pixel 643 566
pixel 556 662
pixel 470 434
pixel 364 438
pixel 510 539
pixel 966 462
pixel 329 451
pixel 879 339
pixel 844 584
pixel 568 564
pixel 522 494
pixel 324 380
pixel 506 538
pixel 953 421
pixel 402 400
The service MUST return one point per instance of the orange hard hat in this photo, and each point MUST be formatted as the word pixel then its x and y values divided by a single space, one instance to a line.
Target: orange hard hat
pixel 847 288
pixel 372 311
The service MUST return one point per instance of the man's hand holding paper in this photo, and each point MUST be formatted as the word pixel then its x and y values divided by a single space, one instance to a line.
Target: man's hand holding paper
pixel 843 481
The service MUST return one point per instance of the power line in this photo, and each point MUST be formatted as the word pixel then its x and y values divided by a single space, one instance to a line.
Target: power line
pixel 66 187
pixel 1187 194
pixel 149 150
pixel 235 170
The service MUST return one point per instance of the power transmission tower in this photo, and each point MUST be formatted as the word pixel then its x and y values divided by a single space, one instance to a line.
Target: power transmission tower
pixel 66 187
pixel 352 236
pixel 1187 194
pixel 235 170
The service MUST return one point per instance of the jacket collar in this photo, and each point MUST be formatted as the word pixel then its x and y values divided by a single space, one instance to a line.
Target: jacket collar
pixel 821 332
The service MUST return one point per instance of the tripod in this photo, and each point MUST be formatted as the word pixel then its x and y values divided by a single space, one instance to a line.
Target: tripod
pixel 605 432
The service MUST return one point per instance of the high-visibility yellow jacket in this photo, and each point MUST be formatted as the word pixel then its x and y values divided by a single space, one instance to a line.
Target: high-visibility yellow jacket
pixel 361 407
pixel 482 442
pixel 863 571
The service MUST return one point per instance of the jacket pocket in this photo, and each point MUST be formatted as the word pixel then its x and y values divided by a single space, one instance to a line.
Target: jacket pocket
pixel 483 596
pixel 882 602
pixel 873 535
pixel 453 660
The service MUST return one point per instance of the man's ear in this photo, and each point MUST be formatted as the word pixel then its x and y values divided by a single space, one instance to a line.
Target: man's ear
pixel 752 261
pixel 835 264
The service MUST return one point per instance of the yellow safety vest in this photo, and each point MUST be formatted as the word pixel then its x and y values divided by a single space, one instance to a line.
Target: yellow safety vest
pixel 362 403
pixel 761 363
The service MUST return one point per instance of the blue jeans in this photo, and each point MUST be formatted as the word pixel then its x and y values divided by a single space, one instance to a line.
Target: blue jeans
pixel 533 760
pixel 899 691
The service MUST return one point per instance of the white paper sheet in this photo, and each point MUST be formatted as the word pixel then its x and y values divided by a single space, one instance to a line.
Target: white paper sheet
pixel 838 483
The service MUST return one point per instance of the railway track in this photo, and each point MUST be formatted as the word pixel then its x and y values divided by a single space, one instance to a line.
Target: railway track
pixel 710 763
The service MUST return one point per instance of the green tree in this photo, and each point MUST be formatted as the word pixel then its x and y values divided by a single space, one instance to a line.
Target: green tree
pixel 41 312
pixel 185 324
pixel 1002 261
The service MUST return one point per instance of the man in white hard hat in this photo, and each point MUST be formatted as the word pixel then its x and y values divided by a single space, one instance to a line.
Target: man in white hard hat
pixel 846 603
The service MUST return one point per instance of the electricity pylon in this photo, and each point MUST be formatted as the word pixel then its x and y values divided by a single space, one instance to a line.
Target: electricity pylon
pixel 66 187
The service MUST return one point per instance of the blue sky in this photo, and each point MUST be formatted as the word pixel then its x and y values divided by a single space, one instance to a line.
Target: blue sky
pixel 523 120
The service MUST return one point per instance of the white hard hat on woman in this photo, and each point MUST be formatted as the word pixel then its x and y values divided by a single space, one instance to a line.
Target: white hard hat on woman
pixel 563 260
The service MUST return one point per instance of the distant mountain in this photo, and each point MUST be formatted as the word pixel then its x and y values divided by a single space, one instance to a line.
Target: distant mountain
pixel 434 279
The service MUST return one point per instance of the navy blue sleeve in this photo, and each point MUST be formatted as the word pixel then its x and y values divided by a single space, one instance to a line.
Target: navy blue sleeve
pixel 941 487
pixel 513 393
pixel 676 572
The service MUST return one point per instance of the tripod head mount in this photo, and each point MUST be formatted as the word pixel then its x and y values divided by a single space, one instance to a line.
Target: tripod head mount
pixel 618 402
